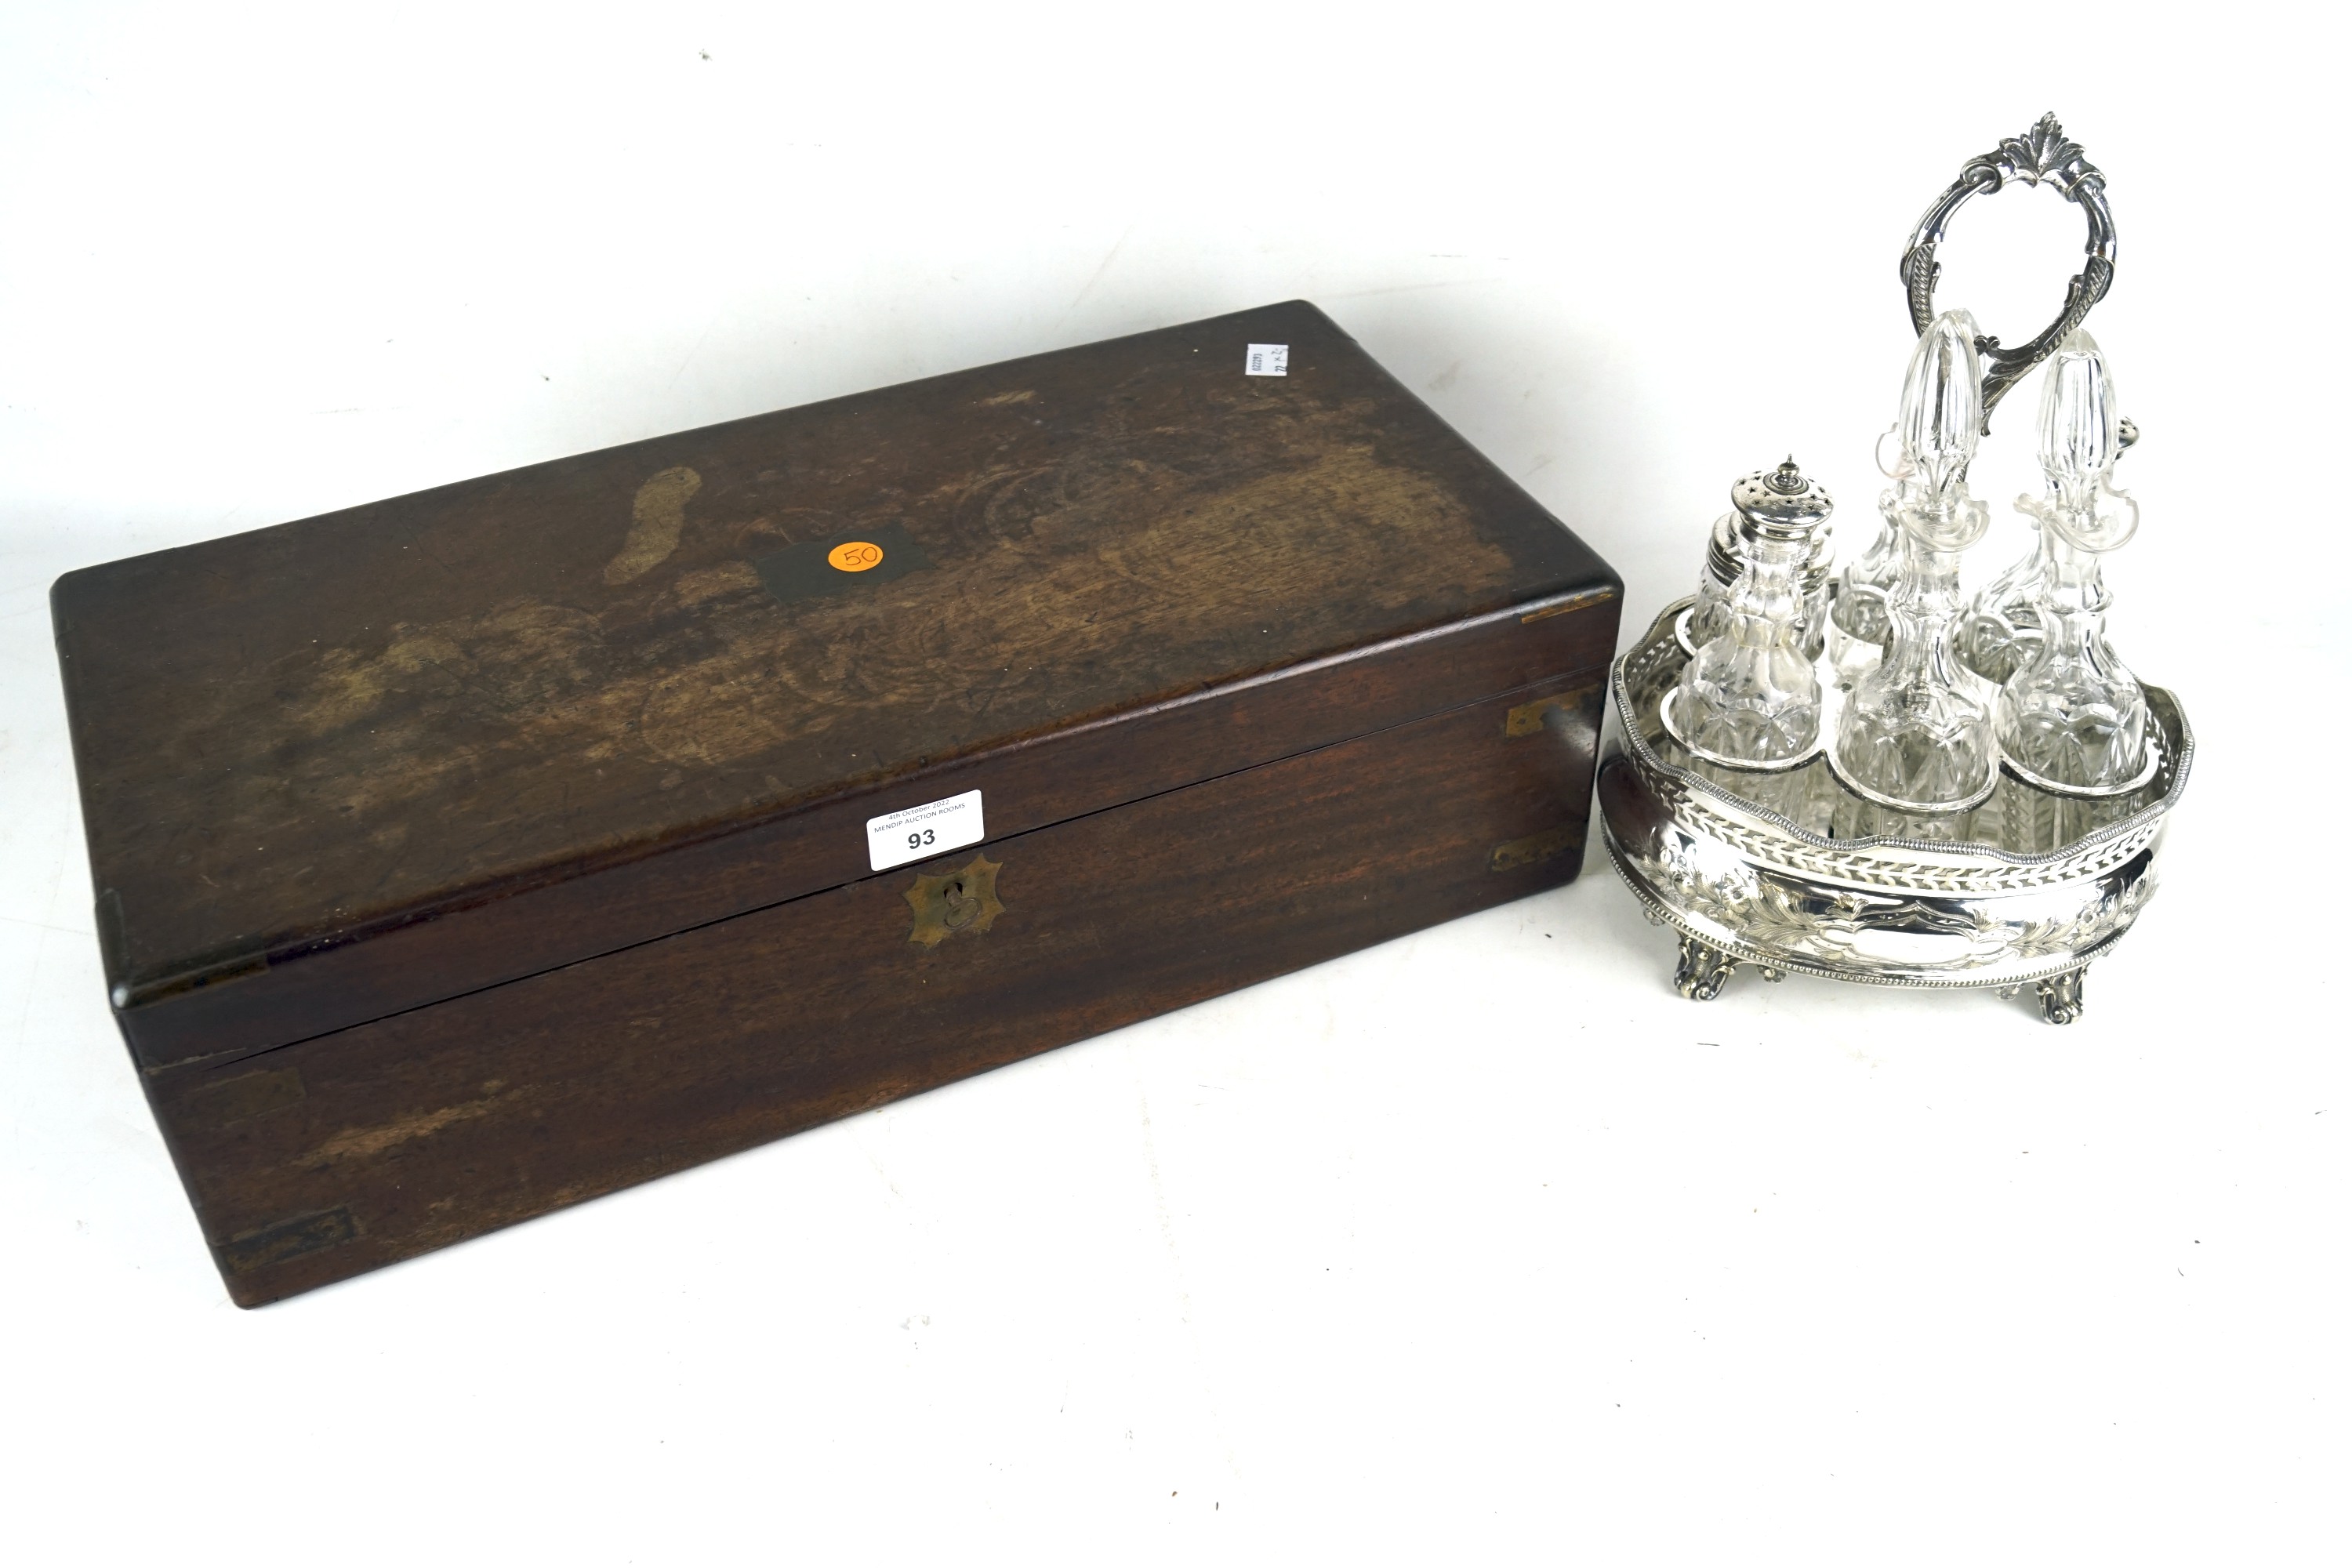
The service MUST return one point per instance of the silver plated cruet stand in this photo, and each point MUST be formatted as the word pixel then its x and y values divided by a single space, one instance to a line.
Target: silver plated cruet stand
pixel 1867 776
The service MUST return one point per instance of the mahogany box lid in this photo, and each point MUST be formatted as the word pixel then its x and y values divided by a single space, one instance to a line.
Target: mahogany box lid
pixel 361 762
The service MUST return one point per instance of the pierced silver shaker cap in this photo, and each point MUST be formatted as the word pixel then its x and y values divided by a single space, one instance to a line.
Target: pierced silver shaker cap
pixel 1782 503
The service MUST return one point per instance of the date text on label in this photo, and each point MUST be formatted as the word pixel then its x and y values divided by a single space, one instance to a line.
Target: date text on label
pixel 921 832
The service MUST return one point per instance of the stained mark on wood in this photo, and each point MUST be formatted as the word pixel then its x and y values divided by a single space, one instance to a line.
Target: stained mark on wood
pixel 659 513
pixel 547 694
pixel 290 1238
pixel 364 1142
pixel 1527 718
pixel 1535 848
pixel 245 1096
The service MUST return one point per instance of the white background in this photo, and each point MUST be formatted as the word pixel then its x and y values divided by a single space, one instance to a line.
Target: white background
pixel 1479 1247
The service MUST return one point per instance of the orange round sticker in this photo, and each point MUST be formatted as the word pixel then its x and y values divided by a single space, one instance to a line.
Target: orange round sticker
pixel 855 556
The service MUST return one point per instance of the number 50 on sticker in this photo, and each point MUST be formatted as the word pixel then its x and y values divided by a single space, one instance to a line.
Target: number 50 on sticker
pixel 922 831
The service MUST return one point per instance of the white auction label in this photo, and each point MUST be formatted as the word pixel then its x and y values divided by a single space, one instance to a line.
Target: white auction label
pixel 1268 359
pixel 921 831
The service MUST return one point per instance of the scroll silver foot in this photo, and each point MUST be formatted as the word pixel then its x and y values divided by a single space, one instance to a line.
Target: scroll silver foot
pixel 1700 970
pixel 2062 996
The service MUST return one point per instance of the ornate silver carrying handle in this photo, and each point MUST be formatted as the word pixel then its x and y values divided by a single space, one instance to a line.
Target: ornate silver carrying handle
pixel 2041 154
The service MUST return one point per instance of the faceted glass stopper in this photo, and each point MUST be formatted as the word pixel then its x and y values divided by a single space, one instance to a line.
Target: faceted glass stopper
pixel 2081 435
pixel 1942 416
pixel 1934 437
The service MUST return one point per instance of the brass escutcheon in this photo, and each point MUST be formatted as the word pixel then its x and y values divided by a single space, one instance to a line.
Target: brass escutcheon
pixel 954 901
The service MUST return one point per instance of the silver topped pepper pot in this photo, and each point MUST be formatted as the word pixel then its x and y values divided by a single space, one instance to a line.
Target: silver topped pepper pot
pixel 1749 697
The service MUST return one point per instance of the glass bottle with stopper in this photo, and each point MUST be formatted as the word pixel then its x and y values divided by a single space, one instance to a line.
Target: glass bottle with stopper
pixel 1863 589
pixel 2002 629
pixel 1915 747
pixel 1749 697
pixel 1868 587
pixel 2070 717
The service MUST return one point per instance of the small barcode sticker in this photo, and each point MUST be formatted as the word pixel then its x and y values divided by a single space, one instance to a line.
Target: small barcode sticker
pixel 1268 359
pixel 921 832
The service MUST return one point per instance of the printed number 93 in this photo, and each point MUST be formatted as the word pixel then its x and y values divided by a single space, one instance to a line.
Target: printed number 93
pixel 917 840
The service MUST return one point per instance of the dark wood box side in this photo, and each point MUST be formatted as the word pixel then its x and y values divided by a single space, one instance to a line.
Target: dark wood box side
pixel 598 908
pixel 350 1150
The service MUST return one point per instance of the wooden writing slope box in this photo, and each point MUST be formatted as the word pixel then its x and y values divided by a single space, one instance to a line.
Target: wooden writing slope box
pixel 466 855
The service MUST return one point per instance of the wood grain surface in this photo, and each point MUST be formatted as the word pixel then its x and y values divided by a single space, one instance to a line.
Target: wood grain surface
pixel 346 1152
pixel 359 764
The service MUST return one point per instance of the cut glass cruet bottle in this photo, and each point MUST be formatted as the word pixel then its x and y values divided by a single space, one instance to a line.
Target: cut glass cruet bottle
pixel 1864 586
pixel 1916 453
pixel 2003 626
pixel 1870 581
pixel 2071 717
pixel 1916 743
